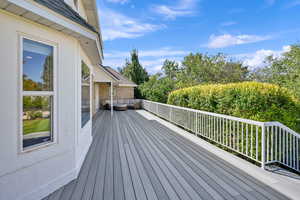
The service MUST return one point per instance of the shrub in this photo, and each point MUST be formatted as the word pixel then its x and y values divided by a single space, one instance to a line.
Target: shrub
pixel 157 88
pixel 250 100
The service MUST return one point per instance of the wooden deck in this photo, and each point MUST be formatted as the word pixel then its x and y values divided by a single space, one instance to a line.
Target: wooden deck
pixel 134 158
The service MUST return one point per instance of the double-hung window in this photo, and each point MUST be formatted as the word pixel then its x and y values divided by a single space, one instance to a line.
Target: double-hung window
pixel 37 93
pixel 85 94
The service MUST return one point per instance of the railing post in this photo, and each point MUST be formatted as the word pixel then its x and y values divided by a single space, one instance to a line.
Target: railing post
pixel 196 131
pixel 263 147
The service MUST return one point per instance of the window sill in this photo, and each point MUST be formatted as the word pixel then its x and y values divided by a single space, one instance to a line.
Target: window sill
pixel 37 147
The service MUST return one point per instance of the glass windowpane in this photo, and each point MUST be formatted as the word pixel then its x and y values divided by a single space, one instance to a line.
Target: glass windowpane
pixel 37 120
pixel 85 94
pixel 37 66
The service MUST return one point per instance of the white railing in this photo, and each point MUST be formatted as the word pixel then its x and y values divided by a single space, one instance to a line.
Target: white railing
pixel 263 142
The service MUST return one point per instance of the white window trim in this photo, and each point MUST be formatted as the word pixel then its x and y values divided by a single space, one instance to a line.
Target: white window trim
pixel 91 94
pixel 53 94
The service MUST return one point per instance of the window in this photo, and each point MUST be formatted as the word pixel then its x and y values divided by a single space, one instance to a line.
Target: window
pixel 85 94
pixel 37 93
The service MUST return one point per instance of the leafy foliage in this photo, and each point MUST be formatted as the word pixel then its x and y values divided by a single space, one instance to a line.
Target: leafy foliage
pixel 47 74
pixel 195 69
pixel 30 85
pixel 157 88
pixel 199 68
pixel 133 70
pixel 170 69
pixel 284 71
pixel 251 100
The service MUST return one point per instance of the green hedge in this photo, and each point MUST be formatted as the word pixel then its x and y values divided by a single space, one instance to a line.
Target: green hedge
pixel 250 100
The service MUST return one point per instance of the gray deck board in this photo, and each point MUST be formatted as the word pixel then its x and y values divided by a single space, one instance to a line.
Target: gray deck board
pixel 160 174
pixel 183 189
pixel 148 188
pixel 127 180
pixel 132 158
pixel 244 181
pixel 241 187
pixel 118 177
pixel 99 182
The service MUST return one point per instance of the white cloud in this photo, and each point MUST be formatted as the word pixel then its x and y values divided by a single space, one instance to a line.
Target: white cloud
pixel 118 1
pixel 257 59
pixel 227 40
pixel 293 4
pixel 116 25
pixel 228 23
pixel 152 60
pixel 182 8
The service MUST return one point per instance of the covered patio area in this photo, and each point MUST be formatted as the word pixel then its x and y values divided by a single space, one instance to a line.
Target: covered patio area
pixel 135 158
pixel 111 89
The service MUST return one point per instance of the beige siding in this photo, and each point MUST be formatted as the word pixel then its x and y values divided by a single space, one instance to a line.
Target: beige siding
pixel 125 92
pixel 81 10
pixel 119 92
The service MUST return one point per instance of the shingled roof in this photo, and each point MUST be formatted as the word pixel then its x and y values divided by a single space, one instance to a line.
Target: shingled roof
pixel 60 7
pixel 119 77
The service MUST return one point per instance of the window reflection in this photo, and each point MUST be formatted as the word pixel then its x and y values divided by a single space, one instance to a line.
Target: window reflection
pixel 37 113
pixel 85 94
pixel 37 66
pixel 37 120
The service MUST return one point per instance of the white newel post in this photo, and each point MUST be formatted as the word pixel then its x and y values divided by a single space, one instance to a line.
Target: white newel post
pixel 263 144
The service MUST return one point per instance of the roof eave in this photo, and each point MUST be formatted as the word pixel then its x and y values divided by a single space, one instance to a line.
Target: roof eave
pixel 38 13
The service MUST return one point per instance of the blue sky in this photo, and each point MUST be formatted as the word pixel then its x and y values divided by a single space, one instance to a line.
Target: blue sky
pixel 247 30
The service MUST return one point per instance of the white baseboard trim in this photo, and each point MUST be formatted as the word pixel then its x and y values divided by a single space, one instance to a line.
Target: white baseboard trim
pixel 57 183
pixel 50 187
pixel 82 157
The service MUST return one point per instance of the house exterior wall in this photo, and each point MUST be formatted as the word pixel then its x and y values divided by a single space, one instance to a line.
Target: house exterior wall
pixel 35 174
pixel 125 92
pixel 101 76
pixel 119 92
pixel 104 91
pixel 81 10
pixel 96 97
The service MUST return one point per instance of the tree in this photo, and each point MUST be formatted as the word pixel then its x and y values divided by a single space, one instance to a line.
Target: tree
pixel 133 70
pixel 170 68
pixel 30 85
pixel 47 74
pixel 199 68
pixel 157 88
pixel 284 70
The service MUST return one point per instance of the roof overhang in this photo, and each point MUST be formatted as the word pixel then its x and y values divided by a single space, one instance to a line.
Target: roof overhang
pixel 101 76
pixel 89 40
pixel 91 11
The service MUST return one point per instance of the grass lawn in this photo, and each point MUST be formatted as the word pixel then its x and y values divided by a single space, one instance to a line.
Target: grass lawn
pixel 36 125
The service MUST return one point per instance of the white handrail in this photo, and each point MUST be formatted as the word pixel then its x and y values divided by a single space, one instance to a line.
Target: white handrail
pixel 210 113
pixel 263 142
pixel 283 127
